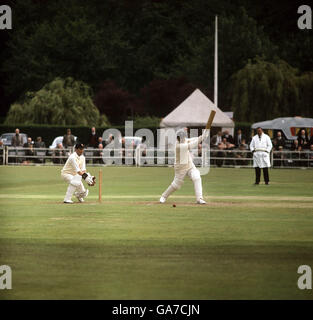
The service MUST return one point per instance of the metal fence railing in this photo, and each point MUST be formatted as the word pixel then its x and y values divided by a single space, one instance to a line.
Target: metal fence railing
pixel 152 157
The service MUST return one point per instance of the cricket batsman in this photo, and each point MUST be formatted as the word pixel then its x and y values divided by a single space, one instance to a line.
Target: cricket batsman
pixel 73 172
pixel 184 165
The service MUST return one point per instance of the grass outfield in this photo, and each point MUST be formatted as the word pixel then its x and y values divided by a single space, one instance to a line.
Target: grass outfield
pixel 247 243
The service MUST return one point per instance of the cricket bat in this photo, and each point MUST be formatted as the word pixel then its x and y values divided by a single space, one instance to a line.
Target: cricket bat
pixel 210 120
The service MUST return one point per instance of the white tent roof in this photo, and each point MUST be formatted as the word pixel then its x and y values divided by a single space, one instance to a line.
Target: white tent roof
pixel 194 112
pixel 285 124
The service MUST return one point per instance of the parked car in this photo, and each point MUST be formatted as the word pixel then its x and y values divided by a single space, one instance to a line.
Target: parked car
pixel 58 140
pixel 6 138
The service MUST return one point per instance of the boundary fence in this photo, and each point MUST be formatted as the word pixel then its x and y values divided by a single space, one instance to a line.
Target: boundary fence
pixel 151 157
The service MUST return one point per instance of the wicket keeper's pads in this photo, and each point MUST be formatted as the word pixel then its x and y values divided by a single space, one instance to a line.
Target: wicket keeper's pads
pixel 76 180
pixel 91 180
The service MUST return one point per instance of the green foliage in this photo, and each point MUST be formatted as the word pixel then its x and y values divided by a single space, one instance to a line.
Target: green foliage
pixel 264 90
pixel 62 102
pixel 239 39
pixel 146 122
pixel 135 43
pixel 69 42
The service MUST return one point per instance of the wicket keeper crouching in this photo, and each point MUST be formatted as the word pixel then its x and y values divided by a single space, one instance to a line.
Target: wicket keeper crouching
pixel 73 172
pixel 184 166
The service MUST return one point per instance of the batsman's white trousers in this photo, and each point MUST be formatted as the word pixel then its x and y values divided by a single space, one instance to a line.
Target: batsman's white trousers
pixel 71 187
pixel 178 181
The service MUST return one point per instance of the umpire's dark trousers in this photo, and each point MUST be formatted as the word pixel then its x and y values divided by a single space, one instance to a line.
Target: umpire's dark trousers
pixel 258 175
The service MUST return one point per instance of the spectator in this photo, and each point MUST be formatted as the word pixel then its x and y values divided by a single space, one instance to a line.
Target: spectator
pixel 17 139
pixel 239 138
pixel 295 146
pixel 39 143
pixel 229 137
pixel 99 154
pixel 228 147
pixel 128 148
pixel 303 139
pixel 279 141
pixel 311 140
pixel 58 156
pixel 100 141
pixel 295 156
pixel 279 157
pixel 220 154
pixel 68 139
pixel 93 139
pixel 241 155
pixel 243 142
pixel 216 139
pixel 141 150
pixel 30 150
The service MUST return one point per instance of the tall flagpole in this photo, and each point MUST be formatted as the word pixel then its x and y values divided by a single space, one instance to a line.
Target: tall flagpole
pixel 215 65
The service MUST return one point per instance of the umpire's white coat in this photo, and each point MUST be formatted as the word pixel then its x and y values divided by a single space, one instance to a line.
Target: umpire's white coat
pixel 262 147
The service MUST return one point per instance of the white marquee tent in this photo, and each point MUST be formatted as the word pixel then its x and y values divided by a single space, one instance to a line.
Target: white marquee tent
pixel 192 112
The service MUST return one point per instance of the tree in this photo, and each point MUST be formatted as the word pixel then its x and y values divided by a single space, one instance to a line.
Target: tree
pixel 68 43
pixel 160 97
pixel 239 39
pixel 62 101
pixel 264 90
pixel 115 102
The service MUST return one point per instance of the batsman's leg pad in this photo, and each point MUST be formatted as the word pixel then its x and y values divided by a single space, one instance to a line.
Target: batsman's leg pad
pixel 198 189
pixel 168 191
pixel 177 183
pixel 195 176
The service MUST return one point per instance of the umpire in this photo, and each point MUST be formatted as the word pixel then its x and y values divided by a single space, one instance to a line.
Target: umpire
pixel 261 146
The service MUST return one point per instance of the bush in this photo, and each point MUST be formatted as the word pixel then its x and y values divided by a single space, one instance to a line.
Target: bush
pixel 146 122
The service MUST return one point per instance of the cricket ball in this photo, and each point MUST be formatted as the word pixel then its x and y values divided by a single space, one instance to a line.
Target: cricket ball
pixel 174 205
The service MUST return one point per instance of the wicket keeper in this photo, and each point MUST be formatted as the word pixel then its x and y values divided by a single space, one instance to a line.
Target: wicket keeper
pixel 73 172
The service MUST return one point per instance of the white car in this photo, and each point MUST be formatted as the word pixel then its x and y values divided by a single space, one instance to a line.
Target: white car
pixel 58 140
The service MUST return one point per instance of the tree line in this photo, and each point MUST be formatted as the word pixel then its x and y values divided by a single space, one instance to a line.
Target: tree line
pixel 142 58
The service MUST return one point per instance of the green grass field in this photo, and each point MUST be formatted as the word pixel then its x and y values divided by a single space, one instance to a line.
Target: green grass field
pixel 246 243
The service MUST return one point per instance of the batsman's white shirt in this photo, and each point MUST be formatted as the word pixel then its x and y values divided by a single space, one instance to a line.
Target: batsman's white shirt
pixel 262 146
pixel 73 164
pixel 183 156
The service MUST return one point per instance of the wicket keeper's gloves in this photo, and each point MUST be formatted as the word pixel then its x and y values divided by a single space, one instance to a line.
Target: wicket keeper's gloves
pixel 91 180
